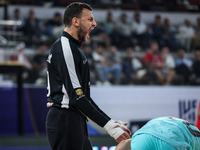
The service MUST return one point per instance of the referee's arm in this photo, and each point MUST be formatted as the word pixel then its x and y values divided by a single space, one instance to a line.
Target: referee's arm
pixel 97 107
pixel 71 79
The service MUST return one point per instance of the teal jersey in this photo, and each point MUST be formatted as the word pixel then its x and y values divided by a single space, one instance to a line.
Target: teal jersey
pixel 179 133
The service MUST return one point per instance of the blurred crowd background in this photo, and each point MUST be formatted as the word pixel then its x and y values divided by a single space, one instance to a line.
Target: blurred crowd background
pixel 121 50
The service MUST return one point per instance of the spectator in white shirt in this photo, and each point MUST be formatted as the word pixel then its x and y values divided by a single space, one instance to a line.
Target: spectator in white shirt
pixel 186 32
pixel 124 29
pixel 101 61
pixel 168 69
pixel 22 58
pixel 140 31
pixel 187 29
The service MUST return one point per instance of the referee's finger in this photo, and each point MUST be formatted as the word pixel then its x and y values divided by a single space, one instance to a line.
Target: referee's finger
pixel 128 131
pixel 123 137
pixel 126 135
pixel 120 138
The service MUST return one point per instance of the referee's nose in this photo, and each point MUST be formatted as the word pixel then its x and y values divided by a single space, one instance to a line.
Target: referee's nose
pixel 94 24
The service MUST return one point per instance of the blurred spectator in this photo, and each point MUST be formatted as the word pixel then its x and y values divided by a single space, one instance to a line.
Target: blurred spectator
pixel 154 64
pixel 53 28
pixel 99 35
pixel 140 31
pixel 130 64
pixel 169 35
pixel 196 38
pixel 16 17
pixel 112 30
pixel 59 26
pixel 106 65
pixel 55 22
pixel 40 62
pixel 30 74
pixel 124 29
pixel 157 31
pixel 186 28
pixel 169 65
pixel 184 67
pixel 109 24
pixel 196 66
pixel 186 31
pixel 32 28
pixel 21 57
pixel 101 62
pixel 88 53
pixel 197 27
pixel 114 65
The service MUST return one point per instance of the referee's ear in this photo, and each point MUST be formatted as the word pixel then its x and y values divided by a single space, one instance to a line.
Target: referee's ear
pixel 75 22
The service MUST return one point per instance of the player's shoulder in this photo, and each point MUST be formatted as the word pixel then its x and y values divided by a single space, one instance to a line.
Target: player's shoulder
pixel 160 118
pixel 164 119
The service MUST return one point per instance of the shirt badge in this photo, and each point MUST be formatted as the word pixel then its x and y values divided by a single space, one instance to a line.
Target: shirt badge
pixel 79 92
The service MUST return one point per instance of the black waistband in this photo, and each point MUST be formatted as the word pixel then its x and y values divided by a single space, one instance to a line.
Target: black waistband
pixel 71 108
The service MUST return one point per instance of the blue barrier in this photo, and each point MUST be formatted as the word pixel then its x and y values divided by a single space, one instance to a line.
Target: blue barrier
pixel 35 111
pixel 25 148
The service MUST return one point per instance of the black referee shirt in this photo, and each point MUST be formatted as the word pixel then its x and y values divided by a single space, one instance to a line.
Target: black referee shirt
pixel 69 79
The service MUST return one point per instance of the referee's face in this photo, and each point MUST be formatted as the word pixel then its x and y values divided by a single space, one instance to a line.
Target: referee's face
pixel 87 24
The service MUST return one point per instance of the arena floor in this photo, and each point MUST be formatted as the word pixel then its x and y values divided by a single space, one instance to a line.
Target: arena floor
pixel 42 141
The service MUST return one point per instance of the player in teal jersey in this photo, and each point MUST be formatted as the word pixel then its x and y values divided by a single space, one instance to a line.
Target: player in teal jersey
pixel 164 133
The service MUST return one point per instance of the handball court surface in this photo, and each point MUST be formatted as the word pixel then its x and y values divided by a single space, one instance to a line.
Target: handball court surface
pixel 41 142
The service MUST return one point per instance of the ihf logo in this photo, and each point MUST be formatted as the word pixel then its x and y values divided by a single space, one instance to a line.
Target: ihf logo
pixel 188 110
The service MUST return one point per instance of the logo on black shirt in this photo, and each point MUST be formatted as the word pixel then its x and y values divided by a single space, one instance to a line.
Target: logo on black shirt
pixel 49 58
pixel 84 61
pixel 79 92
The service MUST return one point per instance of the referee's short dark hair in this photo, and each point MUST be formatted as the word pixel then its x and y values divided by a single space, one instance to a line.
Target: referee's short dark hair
pixel 74 10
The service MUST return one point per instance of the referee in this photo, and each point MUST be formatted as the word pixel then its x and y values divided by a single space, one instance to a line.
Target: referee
pixel 69 87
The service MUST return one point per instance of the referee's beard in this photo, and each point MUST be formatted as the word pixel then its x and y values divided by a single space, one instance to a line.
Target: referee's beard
pixel 81 32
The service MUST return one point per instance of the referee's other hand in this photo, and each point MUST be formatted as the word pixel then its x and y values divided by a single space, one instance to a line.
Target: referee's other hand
pixel 49 104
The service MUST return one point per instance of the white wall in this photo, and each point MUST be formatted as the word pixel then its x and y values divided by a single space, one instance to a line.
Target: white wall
pixel 133 103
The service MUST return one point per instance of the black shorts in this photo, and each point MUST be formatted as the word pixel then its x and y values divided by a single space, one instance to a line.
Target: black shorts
pixel 67 130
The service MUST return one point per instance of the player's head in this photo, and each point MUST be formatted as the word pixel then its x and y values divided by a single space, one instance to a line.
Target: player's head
pixel 79 15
